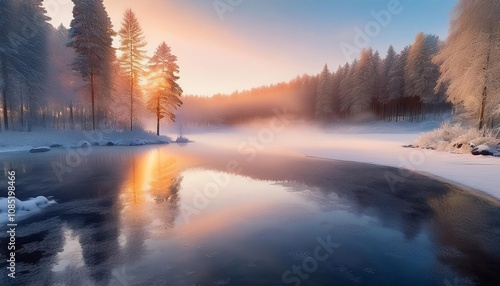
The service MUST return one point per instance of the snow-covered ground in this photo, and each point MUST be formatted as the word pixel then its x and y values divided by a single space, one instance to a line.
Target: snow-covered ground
pixel 476 172
pixel 376 143
pixel 21 141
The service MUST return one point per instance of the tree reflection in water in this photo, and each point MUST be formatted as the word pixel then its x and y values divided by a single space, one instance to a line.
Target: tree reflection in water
pixel 121 208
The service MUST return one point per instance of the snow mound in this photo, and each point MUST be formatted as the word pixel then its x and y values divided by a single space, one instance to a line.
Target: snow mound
pixel 182 139
pixel 138 142
pixel 103 142
pixel 24 209
pixel 40 149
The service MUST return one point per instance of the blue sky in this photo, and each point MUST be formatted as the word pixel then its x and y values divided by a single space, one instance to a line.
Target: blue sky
pixel 256 42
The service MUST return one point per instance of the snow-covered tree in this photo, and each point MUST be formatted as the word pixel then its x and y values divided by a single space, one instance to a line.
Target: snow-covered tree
pixel 324 96
pixel 66 87
pixel 376 67
pixel 346 91
pixel 470 59
pixel 336 81
pixel 166 92
pixel 131 45
pixel 91 35
pixel 421 74
pixel 396 84
pixel 365 79
pixel 387 65
pixel 23 58
pixel 34 57
pixel 6 54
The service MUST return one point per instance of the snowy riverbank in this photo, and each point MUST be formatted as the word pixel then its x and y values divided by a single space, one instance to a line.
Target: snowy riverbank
pixel 475 172
pixel 376 143
pixel 23 141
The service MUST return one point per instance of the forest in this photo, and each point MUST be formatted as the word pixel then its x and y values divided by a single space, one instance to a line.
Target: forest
pixel 73 78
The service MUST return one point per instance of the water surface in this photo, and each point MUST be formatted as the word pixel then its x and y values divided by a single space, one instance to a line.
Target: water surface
pixel 173 215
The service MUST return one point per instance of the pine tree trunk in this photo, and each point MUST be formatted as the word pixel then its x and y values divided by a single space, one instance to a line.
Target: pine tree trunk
pixel 93 99
pixel 22 113
pixel 483 106
pixel 485 89
pixel 43 120
pixel 30 119
pixel 71 115
pixel 131 93
pixel 131 104
pixel 158 116
pixel 4 93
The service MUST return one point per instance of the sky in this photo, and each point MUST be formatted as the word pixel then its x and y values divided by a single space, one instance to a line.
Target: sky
pixel 228 45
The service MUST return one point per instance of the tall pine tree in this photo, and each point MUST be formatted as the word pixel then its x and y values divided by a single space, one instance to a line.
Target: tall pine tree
pixel 365 79
pixel 166 92
pixel 131 45
pixel 91 35
pixel 324 96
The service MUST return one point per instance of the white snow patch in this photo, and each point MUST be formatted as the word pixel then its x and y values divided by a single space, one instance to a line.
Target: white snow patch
pixel 182 139
pixel 138 142
pixel 24 209
pixel 25 141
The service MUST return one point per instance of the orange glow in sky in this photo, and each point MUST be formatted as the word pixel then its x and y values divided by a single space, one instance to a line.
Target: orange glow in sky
pixel 212 57
pixel 255 43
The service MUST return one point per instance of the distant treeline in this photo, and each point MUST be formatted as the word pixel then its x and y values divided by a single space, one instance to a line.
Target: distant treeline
pixel 426 78
pixel 402 86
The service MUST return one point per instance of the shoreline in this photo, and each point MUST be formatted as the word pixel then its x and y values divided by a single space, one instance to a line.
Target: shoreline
pixel 13 141
pixel 460 187
pixel 475 173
